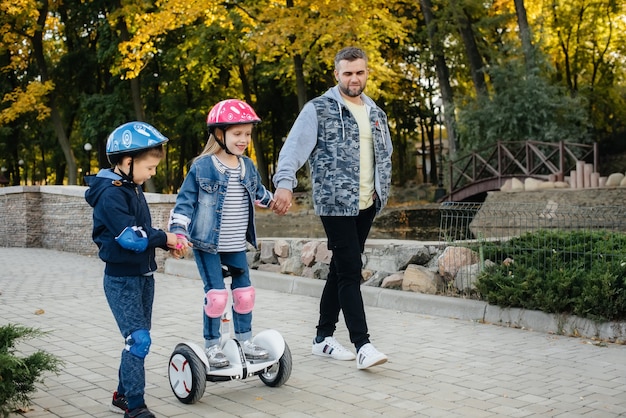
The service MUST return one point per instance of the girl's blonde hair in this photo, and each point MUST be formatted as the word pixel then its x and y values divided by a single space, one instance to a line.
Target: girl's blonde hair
pixel 211 146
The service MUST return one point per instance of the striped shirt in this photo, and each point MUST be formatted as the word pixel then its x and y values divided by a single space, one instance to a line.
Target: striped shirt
pixel 234 213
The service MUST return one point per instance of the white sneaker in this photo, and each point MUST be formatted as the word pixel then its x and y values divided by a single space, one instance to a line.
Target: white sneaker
pixel 330 347
pixel 216 357
pixel 369 356
pixel 253 351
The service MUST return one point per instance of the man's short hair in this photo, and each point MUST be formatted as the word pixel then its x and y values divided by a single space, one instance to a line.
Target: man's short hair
pixel 350 53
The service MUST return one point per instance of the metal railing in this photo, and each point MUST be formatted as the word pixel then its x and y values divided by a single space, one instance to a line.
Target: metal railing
pixel 490 227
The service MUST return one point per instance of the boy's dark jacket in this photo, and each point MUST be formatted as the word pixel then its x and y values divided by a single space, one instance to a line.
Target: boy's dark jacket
pixel 118 204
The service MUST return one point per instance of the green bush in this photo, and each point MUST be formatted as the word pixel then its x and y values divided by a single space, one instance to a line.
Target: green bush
pixel 18 375
pixel 582 273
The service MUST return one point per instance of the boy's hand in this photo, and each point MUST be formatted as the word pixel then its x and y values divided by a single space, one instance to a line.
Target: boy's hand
pixel 172 240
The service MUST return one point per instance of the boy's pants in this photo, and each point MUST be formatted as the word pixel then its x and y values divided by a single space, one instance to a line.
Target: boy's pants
pixel 130 299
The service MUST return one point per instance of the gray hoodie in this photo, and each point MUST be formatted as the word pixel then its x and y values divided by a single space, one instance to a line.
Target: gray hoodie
pixel 327 134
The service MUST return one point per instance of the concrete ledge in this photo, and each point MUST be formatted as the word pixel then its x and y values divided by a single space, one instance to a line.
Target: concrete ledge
pixel 447 307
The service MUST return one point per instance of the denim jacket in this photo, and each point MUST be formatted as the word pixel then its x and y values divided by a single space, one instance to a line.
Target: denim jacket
pixel 198 210
pixel 327 134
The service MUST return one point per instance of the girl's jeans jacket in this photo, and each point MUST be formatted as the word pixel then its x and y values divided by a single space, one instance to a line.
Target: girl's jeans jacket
pixel 198 209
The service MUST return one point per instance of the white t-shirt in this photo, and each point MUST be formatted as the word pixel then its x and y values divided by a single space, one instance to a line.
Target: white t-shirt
pixel 366 158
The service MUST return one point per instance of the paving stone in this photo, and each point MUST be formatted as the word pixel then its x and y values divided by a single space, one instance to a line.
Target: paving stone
pixel 438 366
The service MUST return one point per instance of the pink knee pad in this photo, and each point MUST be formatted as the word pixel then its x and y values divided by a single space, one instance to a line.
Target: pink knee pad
pixel 243 299
pixel 215 302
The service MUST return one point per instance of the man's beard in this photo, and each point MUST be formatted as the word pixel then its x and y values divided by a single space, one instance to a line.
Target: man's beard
pixel 351 93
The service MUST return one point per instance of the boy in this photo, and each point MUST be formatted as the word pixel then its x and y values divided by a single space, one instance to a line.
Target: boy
pixel 122 229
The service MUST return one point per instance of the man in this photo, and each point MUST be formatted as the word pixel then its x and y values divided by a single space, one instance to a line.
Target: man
pixel 346 139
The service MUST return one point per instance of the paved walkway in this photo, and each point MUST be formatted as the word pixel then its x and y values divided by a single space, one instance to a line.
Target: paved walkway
pixel 438 367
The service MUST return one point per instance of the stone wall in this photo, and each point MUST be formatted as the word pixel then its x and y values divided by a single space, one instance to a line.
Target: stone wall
pixel 59 218
pixel 415 223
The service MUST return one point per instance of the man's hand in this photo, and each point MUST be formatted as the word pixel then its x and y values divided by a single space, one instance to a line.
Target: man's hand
pixel 282 201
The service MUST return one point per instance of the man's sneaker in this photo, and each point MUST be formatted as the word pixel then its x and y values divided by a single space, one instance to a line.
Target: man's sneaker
pixel 330 347
pixel 142 412
pixel 253 351
pixel 216 357
pixel 369 356
pixel 119 404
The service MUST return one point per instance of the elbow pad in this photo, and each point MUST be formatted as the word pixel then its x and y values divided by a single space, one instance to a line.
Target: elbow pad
pixel 133 238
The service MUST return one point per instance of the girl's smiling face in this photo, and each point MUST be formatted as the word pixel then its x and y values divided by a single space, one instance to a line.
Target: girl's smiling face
pixel 238 138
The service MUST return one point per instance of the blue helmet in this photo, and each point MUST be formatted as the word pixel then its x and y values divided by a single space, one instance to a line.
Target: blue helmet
pixel 132 137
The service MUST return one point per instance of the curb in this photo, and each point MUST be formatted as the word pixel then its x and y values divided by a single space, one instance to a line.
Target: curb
pixel 442 306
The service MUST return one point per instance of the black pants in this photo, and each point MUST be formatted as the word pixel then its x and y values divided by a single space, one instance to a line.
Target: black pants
pixel 342 291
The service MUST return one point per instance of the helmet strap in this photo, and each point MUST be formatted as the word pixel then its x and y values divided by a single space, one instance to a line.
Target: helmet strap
pixel 222 143
pixel 129 176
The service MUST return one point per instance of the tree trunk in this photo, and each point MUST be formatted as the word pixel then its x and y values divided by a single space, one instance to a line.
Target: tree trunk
pixel 57 122
pixel 443 75
pixel 261 162
pixel 471 49
pixel 298 64
pixel 524 34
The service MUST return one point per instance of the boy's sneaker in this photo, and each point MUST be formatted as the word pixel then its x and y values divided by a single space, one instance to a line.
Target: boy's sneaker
pixel 330 347
pixel 369 356
pixel 253 351
pixel 216 357
pixel 119 404
pixel 142 412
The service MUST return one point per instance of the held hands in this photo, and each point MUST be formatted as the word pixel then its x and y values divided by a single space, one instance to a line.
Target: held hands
pixel 178 245
pixel 282 201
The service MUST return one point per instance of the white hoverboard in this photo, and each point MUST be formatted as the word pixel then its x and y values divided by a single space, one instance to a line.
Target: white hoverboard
pixel 189 368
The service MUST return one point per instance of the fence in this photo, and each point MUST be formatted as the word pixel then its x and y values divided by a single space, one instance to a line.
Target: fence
pixel 574 236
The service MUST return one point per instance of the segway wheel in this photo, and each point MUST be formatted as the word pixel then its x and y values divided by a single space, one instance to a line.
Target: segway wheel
pixel 279 373
pixel 187 375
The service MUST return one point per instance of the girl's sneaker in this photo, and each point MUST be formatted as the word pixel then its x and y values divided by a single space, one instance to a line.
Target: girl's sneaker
pixel 216 357
pixel 253 351
pixel 119 404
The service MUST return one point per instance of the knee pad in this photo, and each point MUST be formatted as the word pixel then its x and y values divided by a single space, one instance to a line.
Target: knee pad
pixel 138 343
pixel 243 299
pixel 215 302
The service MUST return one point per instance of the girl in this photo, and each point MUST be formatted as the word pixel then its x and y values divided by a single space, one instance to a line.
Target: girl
pixel 214 213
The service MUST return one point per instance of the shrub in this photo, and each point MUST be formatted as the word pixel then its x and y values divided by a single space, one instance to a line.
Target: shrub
pixel 18 375
pixel 582 273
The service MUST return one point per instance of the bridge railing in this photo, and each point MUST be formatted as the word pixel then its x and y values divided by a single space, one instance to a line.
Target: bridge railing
pixel 493 165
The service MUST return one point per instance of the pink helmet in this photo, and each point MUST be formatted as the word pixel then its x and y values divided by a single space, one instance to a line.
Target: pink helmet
pixel 231 112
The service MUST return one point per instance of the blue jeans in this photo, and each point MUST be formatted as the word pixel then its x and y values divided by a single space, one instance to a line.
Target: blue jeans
pixel 342 291
pixel 130 299
pixel 210 268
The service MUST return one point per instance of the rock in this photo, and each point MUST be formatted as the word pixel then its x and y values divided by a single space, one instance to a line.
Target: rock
pixel 421 280
pixel 393 281
pixel 307 256
pixel 291 265
pixel 281 248
pixel 267 252
pixel 323 254
pixel 614 180
pixel 320 271
pixel 467 276
pixel 546 185
pixel 512 185
pixel 531 184
pixel 452 259
pixel 376 279
pixel 561 185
